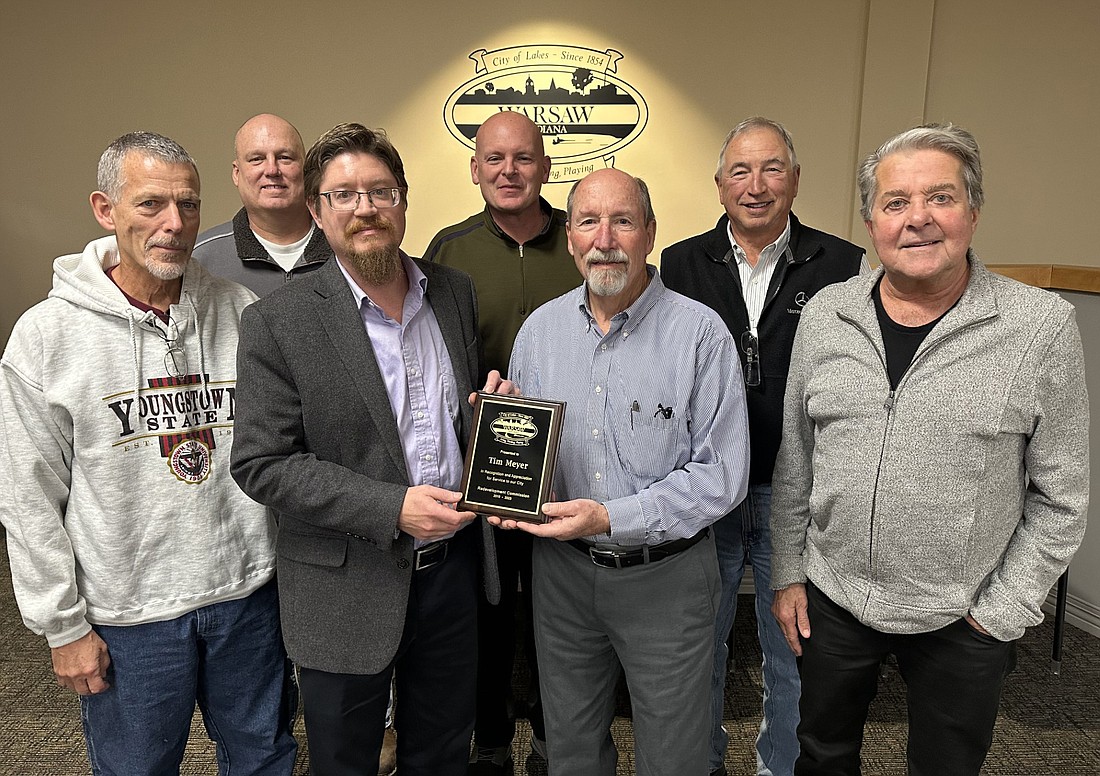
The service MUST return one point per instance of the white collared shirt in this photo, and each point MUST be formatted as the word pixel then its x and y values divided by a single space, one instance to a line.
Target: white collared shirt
pixel 755 280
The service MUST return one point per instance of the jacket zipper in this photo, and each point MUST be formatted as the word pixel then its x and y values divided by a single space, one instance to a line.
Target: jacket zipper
pixel 784 264
pixel 891 399
pixel 522 283
pixel 888 406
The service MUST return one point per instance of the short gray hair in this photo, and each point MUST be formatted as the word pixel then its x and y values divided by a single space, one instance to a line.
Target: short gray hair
pixel 109 173
pixel 948 138
pixel 757 122
pixel 643 196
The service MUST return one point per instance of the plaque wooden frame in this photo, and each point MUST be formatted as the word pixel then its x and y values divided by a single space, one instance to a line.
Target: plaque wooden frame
pixel 511 456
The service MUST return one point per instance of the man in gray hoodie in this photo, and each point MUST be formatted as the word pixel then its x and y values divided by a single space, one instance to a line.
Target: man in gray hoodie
pixel 133 551
pixel 932 482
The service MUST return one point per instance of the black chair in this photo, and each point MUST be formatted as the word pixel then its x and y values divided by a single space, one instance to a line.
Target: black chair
pixel 1059 623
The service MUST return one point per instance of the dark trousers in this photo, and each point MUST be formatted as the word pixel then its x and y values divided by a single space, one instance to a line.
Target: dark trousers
pixel 953 678
pixel 435 668
pixel 497 639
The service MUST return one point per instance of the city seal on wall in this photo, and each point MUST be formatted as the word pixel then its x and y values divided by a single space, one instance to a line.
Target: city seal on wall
pixel 584 109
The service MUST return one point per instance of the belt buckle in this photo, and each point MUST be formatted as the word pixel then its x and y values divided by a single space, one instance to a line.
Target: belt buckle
pixel 432 550
pixel 594 552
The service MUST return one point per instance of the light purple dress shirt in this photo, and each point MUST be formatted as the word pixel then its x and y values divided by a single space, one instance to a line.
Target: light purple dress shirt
pixel 420 381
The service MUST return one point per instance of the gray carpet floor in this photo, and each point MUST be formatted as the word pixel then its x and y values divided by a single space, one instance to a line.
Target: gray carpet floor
pixel 1047 725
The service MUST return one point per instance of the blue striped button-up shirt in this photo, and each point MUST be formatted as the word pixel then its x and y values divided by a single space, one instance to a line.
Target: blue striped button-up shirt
pixel 655 425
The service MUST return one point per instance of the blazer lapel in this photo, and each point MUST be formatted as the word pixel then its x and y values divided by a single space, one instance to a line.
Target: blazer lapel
pixel 344 326
pixel 441 296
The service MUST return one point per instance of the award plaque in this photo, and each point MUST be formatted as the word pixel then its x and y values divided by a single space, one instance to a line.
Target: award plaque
pixel 510 460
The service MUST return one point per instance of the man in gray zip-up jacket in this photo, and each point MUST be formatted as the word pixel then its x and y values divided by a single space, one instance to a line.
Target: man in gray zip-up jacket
pixel 932 481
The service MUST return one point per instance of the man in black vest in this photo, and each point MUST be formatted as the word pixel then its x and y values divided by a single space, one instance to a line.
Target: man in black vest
pixel 757 268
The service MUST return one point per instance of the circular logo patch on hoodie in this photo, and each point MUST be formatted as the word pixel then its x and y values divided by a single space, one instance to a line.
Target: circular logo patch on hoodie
pixel 190 461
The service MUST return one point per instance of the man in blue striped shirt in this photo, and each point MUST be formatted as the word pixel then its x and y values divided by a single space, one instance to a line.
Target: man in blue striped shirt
pixel 654 449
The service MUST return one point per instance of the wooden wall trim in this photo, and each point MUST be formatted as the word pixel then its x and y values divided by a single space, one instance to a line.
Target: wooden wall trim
pixel 1063 277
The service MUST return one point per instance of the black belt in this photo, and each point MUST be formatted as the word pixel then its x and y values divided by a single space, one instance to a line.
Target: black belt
pixel 622 559
pixel 430 555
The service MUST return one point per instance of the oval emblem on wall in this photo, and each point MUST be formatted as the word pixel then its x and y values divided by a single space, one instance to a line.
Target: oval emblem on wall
pixel 584 109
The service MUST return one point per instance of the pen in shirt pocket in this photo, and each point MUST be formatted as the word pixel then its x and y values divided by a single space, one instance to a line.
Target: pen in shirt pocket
pixel 635 407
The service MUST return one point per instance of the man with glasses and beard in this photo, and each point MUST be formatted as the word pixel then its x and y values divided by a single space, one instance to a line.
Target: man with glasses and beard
pixel 654 449
pixel 352 414
pixel 132 549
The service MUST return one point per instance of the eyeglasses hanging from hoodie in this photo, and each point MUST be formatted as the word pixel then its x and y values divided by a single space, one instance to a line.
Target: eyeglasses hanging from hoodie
pixel 175 360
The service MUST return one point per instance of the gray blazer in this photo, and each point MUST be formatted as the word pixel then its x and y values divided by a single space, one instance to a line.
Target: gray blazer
pixel 315 440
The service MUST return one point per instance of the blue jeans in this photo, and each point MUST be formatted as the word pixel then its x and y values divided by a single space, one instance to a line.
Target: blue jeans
pixel 227 657
pixel 745 535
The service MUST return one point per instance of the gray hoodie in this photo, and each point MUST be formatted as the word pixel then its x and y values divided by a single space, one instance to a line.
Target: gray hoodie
pixel 114 475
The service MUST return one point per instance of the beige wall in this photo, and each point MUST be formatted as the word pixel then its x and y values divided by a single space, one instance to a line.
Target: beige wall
pixel 841 74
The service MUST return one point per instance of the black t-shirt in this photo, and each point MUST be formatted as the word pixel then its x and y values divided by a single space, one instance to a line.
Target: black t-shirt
pixel 901 342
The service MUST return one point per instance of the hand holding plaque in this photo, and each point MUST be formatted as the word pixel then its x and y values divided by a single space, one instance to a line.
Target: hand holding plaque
pixel 510 459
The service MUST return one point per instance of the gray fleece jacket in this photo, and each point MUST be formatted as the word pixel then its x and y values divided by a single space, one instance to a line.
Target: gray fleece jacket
pixel 964 490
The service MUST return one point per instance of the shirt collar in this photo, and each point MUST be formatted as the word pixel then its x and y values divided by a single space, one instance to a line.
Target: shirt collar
pixel 629 318
pixel 770 253
pixel 418 284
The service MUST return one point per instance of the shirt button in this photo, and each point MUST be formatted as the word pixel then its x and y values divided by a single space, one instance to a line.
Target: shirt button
pixel 626 334
pixel 595 432
pixel 603 346
pixel 420 415
pixel 428 457
pixel 599 389
pixel 599 476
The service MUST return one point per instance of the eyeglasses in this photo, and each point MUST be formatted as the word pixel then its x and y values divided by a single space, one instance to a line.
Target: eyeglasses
pixel 750 346
pixel 175 360
pixel 349 200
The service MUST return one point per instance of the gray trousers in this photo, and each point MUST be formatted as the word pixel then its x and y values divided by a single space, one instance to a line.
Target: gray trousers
pixel 657 620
